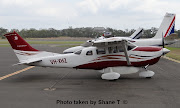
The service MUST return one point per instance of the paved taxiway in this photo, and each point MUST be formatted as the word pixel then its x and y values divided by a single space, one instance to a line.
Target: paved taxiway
pixel 26 89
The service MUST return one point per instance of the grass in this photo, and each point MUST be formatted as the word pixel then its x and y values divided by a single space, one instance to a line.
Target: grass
pixel 54 42
pixel 4 45
pixel 174 53
pixel 4 42
pixel 48 42
pixel 62 45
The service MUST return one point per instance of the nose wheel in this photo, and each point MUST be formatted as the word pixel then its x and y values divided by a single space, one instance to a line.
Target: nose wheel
pixel 147 73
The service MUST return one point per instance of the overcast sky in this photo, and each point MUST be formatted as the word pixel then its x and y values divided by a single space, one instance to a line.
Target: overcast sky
pixel 59 14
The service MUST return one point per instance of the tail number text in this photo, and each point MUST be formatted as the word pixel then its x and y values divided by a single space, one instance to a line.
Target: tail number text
pixel 56 61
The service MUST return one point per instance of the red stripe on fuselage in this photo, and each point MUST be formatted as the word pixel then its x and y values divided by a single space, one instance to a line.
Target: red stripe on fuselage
pixel 106 57
pixel 148 49
pixel 105 64
pixel 169 27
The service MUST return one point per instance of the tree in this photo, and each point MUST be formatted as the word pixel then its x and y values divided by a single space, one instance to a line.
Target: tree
pixel 2 32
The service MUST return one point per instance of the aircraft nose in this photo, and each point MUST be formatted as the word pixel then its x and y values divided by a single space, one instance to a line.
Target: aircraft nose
pixel 165 51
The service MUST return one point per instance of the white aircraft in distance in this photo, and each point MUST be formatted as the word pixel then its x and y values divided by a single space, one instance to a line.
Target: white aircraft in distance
pixel 166 28
pixel 111 56
pixel 136 35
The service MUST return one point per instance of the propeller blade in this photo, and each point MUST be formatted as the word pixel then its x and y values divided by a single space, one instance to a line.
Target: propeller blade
pixel 163 41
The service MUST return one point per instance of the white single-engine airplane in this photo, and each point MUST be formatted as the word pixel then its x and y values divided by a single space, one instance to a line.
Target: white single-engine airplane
pixel 166 29
pixel 111 56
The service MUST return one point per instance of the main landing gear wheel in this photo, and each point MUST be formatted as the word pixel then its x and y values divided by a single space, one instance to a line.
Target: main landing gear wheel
pixel 147 73
pixel 111 76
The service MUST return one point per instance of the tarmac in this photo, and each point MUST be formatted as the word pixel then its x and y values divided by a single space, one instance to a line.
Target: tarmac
pixel 39 87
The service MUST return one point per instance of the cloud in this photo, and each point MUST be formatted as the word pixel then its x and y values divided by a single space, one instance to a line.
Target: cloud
pixel 95 6
pixel 90 5
pixel 109 13
pixel 22 3
pixel 157 6
pixel 148 6
pixel 57 10
pixel 38 8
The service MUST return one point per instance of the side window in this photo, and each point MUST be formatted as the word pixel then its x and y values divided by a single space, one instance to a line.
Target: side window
pixel 110 49
pixel 121 49
pixel 114 49
pixel 78 52
pixel 89 53
pixel 130 47
pixel 101 51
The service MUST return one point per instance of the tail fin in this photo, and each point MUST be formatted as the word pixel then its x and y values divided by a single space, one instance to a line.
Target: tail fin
pixel 25 53
pixel 167 26
pixel 137 34
pixel 18 43
pixel 21 48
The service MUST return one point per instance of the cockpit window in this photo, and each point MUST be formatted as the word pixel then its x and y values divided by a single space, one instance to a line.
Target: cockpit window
pixel 78 52
pixel 89 53
pixel 101 51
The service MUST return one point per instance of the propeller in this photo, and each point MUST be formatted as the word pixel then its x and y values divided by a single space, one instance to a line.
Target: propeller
pixel 165 51
pixel 163 41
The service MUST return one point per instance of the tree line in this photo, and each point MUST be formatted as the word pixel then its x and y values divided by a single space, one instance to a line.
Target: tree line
pixel 76 32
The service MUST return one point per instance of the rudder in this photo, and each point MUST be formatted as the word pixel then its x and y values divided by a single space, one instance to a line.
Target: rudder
pixel 167 26
pixel 18 43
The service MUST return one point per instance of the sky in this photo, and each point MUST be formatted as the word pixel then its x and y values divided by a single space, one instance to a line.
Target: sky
pixel 60 14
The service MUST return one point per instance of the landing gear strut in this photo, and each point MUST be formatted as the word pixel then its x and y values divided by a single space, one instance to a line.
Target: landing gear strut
pixel 147 73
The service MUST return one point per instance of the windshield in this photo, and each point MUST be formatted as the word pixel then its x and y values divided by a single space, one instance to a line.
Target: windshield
pixel 78 52
pixel 130 46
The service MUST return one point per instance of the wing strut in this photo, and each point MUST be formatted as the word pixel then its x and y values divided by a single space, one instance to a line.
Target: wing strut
pixel 124 42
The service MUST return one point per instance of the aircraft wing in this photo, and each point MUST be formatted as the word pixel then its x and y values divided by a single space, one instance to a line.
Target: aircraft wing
pixel 29 61
pixel 108 42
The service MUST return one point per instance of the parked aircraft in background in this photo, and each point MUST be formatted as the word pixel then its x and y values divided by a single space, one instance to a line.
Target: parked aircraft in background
pixel 112 56
pixel 136 35
pixel 166 29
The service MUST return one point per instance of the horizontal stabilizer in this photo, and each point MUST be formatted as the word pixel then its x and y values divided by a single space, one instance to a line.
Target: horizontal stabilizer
pixel 28 62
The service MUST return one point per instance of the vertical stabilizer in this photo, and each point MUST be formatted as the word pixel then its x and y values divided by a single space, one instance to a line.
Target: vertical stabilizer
pixel 137 34
pixel 167 26
pixel 18 43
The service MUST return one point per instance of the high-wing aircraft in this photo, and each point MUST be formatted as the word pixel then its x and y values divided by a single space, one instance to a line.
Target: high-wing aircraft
pixel 111 56
pixel 166 29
